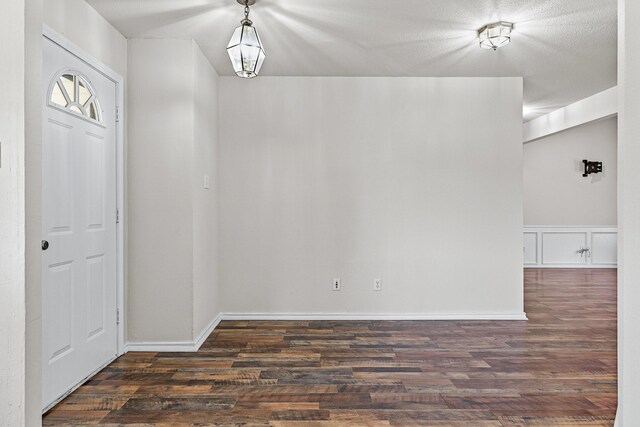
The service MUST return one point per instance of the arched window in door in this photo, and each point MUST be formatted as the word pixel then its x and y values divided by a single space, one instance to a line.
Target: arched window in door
pixel 72 92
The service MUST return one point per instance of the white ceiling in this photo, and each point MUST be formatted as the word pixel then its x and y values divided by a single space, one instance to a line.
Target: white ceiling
pixel 565 49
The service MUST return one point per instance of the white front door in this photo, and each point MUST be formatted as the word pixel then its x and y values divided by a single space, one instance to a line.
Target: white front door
pixel 79 330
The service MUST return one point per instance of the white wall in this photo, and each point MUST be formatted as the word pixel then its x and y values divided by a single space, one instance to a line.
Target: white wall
pixel 12 228
pixel 80 23
pixel 556 193
pixel 160 198
pixel 405 179
pixel 629 213
pixel 33 210
pixel 206 302
pixel 172 218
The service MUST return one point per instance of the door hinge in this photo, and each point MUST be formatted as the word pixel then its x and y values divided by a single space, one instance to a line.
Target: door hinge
pixel 117 114
pixel 117 216
pixel 117 316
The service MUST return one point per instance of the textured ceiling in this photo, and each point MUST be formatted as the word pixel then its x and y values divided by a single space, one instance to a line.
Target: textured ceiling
pixel 565 49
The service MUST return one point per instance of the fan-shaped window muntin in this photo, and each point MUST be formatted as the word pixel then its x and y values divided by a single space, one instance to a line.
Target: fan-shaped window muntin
pixel 72 92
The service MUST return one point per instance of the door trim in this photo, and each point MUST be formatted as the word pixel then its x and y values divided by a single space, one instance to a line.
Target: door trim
pixel 93 62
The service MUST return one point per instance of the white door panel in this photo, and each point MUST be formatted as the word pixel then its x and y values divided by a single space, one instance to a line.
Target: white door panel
pixel 59 292
pixel 79 206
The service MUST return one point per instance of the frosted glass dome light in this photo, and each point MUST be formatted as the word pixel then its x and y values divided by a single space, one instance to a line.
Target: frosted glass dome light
pixel 245 48
pixel 495 35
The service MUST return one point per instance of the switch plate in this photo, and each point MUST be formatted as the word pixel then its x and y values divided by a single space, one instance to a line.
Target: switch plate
pixel 336 284
pixel 377 284
pixel 207 182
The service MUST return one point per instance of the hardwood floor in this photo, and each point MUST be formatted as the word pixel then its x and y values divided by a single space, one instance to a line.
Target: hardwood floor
pixel 557 369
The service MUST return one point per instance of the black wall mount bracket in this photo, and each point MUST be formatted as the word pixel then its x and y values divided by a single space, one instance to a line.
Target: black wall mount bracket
pixel 591 167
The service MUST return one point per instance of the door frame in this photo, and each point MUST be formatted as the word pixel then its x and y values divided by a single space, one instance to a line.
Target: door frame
pixel 73 49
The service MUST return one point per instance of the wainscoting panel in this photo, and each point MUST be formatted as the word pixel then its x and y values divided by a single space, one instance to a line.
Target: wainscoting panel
pixel 530 248
pixel 562 248
pixel 605 248
pixel 570 247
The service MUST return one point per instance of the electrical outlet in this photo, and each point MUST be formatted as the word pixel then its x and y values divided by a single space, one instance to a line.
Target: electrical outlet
pixel 377 284
pixel 207 182
pixel 336 284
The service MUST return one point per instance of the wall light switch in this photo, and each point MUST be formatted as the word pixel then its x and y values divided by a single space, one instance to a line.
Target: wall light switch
pixel 207 182
pixel 336 284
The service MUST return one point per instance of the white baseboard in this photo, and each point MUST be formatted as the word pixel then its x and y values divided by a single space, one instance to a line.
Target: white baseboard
pixel 161 346
pixel 176 346
pixel 374 316
pixel 200 339
pixel 192 346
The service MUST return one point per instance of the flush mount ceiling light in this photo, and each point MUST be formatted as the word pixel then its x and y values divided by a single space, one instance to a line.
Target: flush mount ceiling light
pixel 245 48
pixel 495 35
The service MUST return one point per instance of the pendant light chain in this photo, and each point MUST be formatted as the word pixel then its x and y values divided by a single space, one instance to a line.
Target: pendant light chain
pixel 246 19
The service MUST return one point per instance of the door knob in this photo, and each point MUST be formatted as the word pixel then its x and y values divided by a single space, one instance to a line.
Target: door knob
pixel 45 245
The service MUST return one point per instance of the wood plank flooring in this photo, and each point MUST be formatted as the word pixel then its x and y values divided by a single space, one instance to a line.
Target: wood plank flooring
pixel 557 369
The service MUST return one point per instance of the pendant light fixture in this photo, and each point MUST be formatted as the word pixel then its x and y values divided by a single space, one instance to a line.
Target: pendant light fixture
pixel 495 35
pixel 245 48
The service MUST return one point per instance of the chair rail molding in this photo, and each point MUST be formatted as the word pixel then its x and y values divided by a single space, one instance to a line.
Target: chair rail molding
pixel 564 246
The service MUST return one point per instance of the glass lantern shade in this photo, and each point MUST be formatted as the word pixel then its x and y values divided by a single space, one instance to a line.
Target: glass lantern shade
pixel 245 51
pixel 495 35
